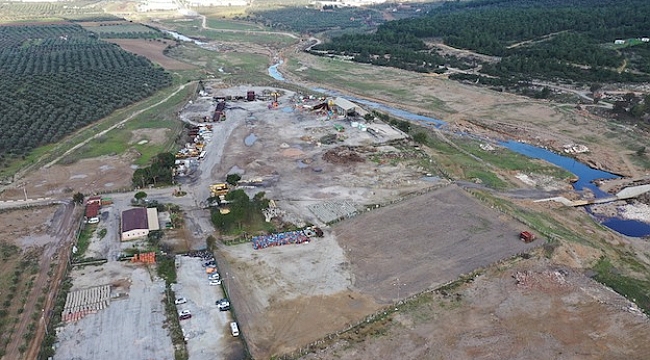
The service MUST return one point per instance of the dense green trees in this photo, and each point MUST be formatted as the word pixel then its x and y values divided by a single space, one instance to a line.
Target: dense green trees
pixel 55 79
pixel 570 39
pixel 311 20
pixel 244 211
pixel 158 173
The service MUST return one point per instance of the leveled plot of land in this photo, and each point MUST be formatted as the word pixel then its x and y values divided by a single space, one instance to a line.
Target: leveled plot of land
pixel 132 326
pixel 298 293
pixel 152 50
pixel 424 242
pixel 532 310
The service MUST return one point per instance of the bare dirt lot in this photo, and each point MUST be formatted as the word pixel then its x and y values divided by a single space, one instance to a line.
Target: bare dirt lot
pixel 296 294
pixel 61 181
pixel 529 310
pixel 152 50
pixel 131 326
pixel 426 241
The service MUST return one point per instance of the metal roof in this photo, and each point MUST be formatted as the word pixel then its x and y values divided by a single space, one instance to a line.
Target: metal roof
pixel 134 219
pixel 344 104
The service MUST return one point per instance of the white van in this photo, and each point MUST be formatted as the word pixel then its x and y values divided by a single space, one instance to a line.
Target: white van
pixel 234 330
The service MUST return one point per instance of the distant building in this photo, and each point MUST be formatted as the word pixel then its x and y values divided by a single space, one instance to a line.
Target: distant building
pixel 158 5
pixel 195 3
pixel 138 222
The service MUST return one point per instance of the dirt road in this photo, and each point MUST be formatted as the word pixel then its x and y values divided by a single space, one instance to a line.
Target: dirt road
pixel 61 231
pixel 103 132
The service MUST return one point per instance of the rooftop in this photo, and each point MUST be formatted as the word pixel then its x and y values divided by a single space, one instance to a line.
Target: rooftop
pixel 134 219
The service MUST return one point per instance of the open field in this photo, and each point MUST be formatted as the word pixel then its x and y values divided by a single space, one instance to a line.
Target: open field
pixel 226 63
pixel 225 33
pixel 307 291
pixel 152 50
pixel 118 28
pixel 531 309
pixel 425 242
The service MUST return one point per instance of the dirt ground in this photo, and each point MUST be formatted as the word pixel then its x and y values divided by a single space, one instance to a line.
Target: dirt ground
pixel 152 50
pixel 447 232
pixel 132 323
pixel 87 176
pixel 504 314
pixel 296 294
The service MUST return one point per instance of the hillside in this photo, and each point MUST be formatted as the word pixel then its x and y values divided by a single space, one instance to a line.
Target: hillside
pixel 544 39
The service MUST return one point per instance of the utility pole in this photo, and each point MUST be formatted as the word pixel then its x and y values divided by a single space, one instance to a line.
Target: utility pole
pixel 398 284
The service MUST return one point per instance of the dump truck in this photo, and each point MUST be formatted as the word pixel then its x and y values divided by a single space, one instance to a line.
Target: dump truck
pixel 527 236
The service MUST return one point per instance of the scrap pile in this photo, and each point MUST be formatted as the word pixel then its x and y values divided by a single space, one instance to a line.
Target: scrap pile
pixel 342 155
pixel 330 211
pixel 546 280
pixel 291 237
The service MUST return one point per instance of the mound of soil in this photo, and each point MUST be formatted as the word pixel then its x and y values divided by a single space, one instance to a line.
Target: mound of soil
pixel 342 155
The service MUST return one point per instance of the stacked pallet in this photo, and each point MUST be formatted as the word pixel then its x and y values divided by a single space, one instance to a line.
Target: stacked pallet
pixel 87 301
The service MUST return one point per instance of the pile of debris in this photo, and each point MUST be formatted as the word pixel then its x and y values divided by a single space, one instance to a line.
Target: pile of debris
pixel 546 280
pixel 342 155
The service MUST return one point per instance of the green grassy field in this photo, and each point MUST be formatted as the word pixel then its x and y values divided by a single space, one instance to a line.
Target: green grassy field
pixel 224 24
pixel 236 65
pixel 117 140
pixel 245 35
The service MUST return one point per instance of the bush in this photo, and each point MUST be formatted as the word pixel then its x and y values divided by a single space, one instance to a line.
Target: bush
pixel 421 138
pixel 233 179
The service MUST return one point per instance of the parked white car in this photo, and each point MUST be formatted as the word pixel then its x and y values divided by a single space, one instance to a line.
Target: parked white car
pixel 180 300
pixel 215 282
pixel 214 276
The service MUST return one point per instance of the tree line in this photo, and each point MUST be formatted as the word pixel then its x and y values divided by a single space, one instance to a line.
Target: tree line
pixel 548 39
